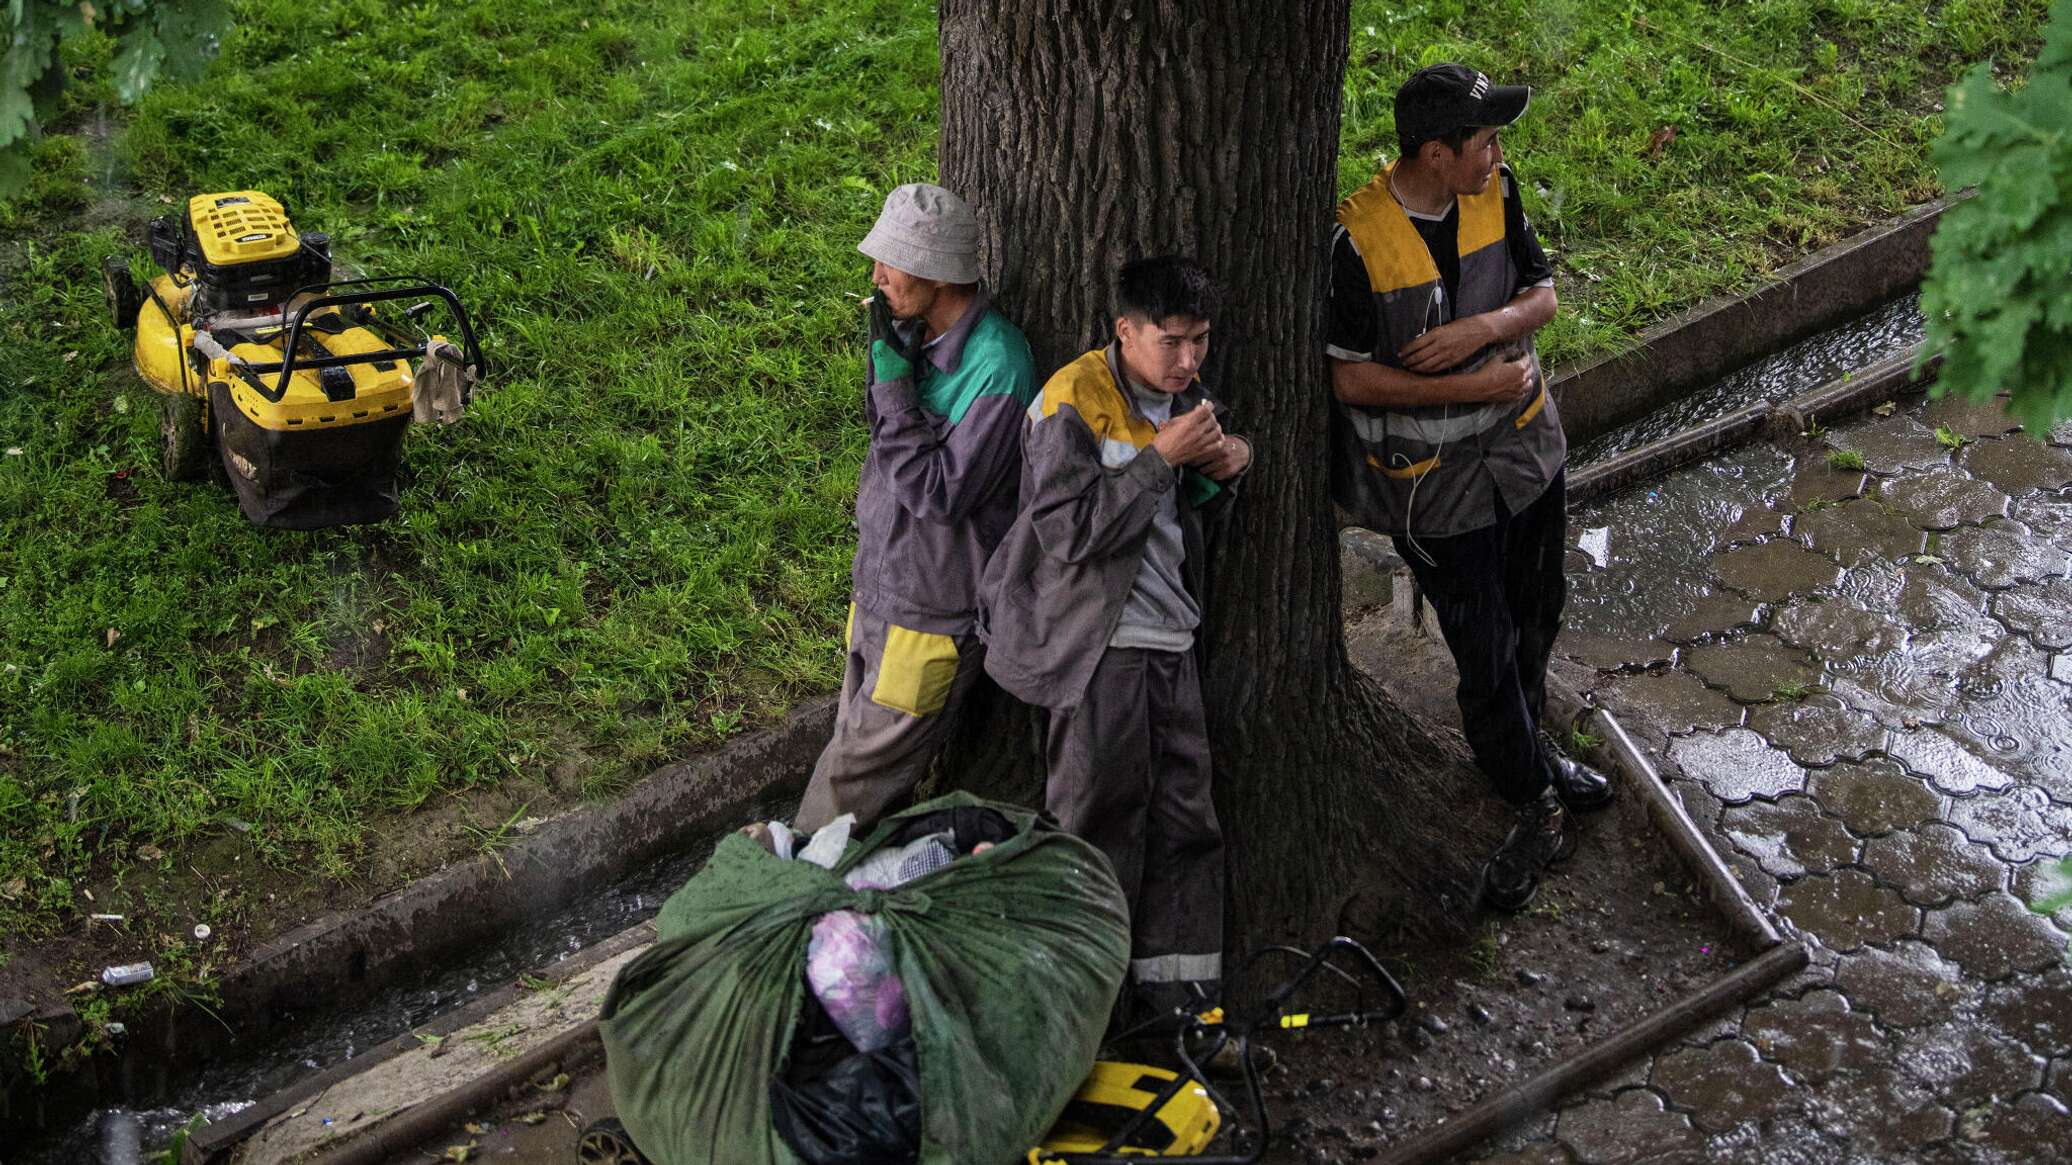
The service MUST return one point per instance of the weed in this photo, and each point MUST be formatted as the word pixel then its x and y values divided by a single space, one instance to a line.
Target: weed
pixel 493 841
pixel 1845 459
pixel 496 1041
pixel 1819 504
pixel 1581 743
pixel 1791 693
pixel 175 1150
pixel 1814 429
pixel 1485 955
pixel 1950 438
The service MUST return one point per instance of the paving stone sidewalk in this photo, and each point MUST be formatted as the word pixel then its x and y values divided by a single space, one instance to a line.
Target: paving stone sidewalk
pixel 1860 684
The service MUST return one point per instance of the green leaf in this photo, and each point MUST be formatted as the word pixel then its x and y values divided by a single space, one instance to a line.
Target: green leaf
pixel 1997 297
pixel 192 33
pixel 137 62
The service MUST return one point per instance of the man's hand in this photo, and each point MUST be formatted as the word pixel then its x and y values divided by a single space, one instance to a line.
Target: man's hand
pixel 1444 347
pixel 1502 380
pixel 890 359
pixel 1190 438
pixel 1231 457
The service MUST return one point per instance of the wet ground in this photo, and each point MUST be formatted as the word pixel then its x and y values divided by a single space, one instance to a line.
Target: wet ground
pixel 1859 683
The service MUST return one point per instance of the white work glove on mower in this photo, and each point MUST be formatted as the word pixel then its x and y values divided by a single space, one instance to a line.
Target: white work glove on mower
pixel 443 380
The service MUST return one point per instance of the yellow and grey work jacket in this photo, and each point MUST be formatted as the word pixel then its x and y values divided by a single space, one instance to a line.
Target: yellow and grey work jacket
pixel 1438 469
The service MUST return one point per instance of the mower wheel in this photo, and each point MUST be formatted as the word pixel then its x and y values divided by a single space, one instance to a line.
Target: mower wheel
pixel 120 289
pixel 183 440
pixel 604 1142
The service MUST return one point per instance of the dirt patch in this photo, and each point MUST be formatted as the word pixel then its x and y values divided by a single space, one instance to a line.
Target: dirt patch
pixel 231 886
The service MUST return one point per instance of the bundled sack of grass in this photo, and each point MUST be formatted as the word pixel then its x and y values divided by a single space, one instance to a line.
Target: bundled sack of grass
pixel 1010 959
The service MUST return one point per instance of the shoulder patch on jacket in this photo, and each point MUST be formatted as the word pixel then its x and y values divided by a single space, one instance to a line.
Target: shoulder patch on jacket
pixel 1392 250
pixel 995 363
pixel 1087 386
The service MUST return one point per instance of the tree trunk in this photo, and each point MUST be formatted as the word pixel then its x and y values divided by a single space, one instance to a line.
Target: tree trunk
pixel 1089 132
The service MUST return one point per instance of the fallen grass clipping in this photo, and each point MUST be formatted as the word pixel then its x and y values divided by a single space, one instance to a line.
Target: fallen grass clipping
pixel 638 541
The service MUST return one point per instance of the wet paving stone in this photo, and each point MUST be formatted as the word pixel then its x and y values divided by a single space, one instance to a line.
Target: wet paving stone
pixel 1697 801
pixel 1790 838
pixel 1721 1084
pixel 1540 1154
pixel 1774 1141
pixel 1590 648
pixel 1712 617
pixel 1753 667
pixel 1966 1065
pixel 2049 515
pixel 1946 763
pixel 1881 1112
pixel 1815 1036
pixel 1676 702
pixel 2045 880
pixel 2022 724
pixel 1970 418
pixel 1633 1126
pixel 1874 797
pixel 2042 611
pixel 2035 1128
pixel 1903 986
pixel 1863 529
pixel 1813 483
pixel 1775 570
pixel 1737 765
pixel 1847 910
pixel 1754 525
pixel 1994 937
pixel 2005 553
pixel 2019 823
pixel 1934 597
pixel 1892 444
pixel 1817 731
pixel 2034 1009
pixel 1835 630
pixel 2018 464
pixel 1931 865
pixel 1943 500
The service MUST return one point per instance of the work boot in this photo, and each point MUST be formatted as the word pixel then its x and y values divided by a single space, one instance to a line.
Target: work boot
pixel 1581 788
pixel 1540 838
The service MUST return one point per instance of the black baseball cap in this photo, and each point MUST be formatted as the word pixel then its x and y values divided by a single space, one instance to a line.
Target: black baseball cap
pixel 1439 99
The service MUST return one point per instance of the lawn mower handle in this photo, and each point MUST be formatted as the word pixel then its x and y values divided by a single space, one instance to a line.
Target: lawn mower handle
pixel 413 286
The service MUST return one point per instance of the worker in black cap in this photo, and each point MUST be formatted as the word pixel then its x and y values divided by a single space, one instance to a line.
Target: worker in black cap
pixel 1444 436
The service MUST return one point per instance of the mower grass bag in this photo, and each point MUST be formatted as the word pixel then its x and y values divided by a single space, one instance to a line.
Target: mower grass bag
pixel 1010 959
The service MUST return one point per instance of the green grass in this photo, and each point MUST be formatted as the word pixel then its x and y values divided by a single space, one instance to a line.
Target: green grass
pixel 1845 459
pixel 638 541
pixel 1796 122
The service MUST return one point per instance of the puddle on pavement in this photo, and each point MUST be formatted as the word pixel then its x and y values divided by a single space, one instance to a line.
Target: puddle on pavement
pixel 1892 329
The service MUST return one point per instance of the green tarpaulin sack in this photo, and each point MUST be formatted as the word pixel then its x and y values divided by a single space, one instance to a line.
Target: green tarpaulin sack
pixel 1010 959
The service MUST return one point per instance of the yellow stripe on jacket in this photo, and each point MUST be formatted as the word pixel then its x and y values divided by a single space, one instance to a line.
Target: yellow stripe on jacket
pixel 1089 387
pixel 1388 242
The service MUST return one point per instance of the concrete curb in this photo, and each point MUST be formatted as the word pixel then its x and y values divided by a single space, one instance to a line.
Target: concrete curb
pixel 1829 287
pixel 344 958
pixel 1837 398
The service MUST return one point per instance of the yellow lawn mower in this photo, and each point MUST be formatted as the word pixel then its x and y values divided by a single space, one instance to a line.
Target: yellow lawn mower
pixel 302 386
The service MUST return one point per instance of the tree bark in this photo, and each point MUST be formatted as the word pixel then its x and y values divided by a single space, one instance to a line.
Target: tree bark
pixel 1086 133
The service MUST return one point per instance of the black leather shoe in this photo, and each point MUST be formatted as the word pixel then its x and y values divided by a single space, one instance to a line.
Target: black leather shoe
pixel 1581 788
pixel 1540 838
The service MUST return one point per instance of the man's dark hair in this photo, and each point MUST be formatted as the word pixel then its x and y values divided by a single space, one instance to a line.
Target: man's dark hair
pixel 1452 140
pixel 1169 285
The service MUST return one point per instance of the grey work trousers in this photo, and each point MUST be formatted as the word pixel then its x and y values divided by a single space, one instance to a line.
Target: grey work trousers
pixel 1129 771
pixel 900 693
